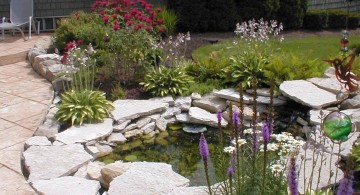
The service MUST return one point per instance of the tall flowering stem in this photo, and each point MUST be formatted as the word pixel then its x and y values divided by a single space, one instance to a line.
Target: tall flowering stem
pixel 293 177
pixel 204 153
pixel 266 131
pixel 219 118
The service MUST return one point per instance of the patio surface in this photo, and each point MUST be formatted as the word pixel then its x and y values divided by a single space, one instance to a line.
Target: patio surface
pixel 24 99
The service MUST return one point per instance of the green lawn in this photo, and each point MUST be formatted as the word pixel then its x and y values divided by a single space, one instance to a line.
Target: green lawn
pixel 309 48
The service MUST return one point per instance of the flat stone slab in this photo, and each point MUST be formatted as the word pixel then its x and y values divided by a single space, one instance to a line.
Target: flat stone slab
pixel 210 103
pixel 231 94
pixel 184 103
pixel 167 99
pixel 201 116
pixel 147 178
pixel 193 190
pixel 37 141
pixel 329 84
pixel 306 93
pixel 67 185
pixel 86 132
pixel 47 162
pixel 183 118
pixel 132 109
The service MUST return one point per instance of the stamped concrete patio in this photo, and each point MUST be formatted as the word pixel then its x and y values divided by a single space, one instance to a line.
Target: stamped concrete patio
pixel 24 100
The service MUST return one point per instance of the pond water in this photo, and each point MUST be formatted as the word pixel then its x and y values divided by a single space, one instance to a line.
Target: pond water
pixel 175 147
pixel 181 149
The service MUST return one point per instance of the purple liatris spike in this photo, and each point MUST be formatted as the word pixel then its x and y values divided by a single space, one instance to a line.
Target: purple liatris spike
pixel 219 116
pixel 255 143
pixel 292 177
pixel 233 161
pixel 346 185
pixel 230 171
pixel 203 148
pixel 235 119
pixel 266 131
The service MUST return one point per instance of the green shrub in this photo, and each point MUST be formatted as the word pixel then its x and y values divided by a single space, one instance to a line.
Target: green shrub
pixel 353 21
pixel 285 67
pixel 355 154
pixel 78 107
pixel 249 9
pixel 162 81
pixel 117 92
pixel 223 16
pixel 204 87
pixel 247 67
pixel 170 20
pixel 209 68
pixel 337 19
pixel 315 20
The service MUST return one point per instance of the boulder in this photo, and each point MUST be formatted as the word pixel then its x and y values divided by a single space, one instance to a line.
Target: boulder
pixel 67 185
pixel 132 109
pixel 60 83
pixel 306 93
pixel 148 128
pixel 329 84
pixel 103 149
pixel 147 178
pixel 54 70
pixel 46 162
pixel 201 116
pixel 37 141
pixel 43 57
pixel 93 170
pixel 86 132
pixel 351 103
pixel 117 138
pixel 231 94
pixel 183 118
pixel 184 103
pixel 210 103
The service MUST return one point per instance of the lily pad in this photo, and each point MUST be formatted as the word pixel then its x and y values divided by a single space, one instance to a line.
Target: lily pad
pixel 175 127
pixel 194 128
pixel 130 158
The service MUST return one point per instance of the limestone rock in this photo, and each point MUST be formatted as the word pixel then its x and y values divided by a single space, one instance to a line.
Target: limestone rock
pixel 193 190
pixel 266 100
pixel 111 171
pixel 154 117
pixel 43 57
pixel 315 116
pixel 261 92
pixel 183 118
pixel 147 178
pixel 248 112
pixel 117 138
pixel 133 133
pixel 142 122
pixel 122 126
pixel 201 116
pixel 132 109
pixel 37 141
pixel 149 128
pixel 351 103
pixel 171 120
pixel 66 185
pixel 129 128
pixel 329 73
pixel 54 70
pixel 46 162
pixel 60 82
pixel 329 84
pixel 33 52
pixel 307 94
pixel 231 94
pixel 82 172
pixel 86 132
pixel 195 96
pixel 210 103
pixel 48 129
pixel 161 124
pixel 170 112
pixel 184 103
pixel 168 99
pixel 103 149
pixel 93 170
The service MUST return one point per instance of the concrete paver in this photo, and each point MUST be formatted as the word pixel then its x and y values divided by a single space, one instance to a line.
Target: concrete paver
pixel 24 99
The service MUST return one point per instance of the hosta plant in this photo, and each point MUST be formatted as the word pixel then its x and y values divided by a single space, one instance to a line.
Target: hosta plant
pixel 162 81
pixel 78 107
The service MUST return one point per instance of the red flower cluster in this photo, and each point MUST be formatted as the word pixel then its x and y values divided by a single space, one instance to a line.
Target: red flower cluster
pixel 137 13
pixel 68 47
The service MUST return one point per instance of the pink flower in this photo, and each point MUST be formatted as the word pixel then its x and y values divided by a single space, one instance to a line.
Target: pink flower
pixel 158 10
pixel 127 16
pixel 102 12
pixel 129 23
pixel 148 28
pixel 114 16
pixel 116 27
pixel 118 8
pixel 161 30
pixel 160 20
pixel 106 18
